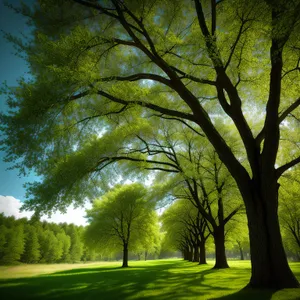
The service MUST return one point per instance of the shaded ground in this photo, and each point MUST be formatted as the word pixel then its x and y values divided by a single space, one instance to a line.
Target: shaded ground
pixel 161 279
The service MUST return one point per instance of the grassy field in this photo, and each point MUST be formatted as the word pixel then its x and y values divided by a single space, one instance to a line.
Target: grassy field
pixel 160 279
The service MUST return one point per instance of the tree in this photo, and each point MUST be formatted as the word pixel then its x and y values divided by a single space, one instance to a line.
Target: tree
pixel 198 57
pixel 14 246
pixel 203 180
pixel 237 236
pixel 32 247
pixel 151 242
pixel 50 247
pixel 76 248
pixel 65 244
pixel 121 218
pixel 3 233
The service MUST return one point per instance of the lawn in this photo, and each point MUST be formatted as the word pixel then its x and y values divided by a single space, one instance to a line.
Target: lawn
pixel 159 279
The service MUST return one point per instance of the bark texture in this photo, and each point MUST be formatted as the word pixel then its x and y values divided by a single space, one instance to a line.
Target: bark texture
pixel 202 254
pixel 219 239
pixel 270 267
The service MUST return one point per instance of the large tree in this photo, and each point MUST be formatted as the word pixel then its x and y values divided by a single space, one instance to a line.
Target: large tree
pixel 184 60
pixel 122 219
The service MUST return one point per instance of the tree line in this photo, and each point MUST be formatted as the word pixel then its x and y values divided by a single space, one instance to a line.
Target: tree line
pixel 32 241
pixel 123 224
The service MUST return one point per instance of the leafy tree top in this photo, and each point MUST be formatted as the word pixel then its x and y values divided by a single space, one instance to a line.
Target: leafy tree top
pixel 98 66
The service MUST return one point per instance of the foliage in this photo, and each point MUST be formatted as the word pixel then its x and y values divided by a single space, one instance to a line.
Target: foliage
pixel 32 242
pixel 122 218
pixel 32 246
pixel 289 212
pixel 14 245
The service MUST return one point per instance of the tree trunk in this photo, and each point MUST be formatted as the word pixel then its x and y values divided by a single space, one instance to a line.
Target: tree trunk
pixel 202 253
pixel 219 239
pixel 196 253
pixel 146 255
pixel 242 254
pixel 270 267
pixel 241 250
pixel 185 254
pixel 125 255
pixel 190 254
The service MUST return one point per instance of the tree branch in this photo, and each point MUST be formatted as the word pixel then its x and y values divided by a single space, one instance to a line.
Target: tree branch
pixel 112 159
pixel 283 168
pixel 232 214
pixel 233 47
pixel 193 78
pixel 138 76
pixel 259 138
pixel 291 108
pixel 179 120
pixel 104 10
pixel 151 106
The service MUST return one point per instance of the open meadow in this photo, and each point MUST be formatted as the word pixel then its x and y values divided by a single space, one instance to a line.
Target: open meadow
pixel 158 279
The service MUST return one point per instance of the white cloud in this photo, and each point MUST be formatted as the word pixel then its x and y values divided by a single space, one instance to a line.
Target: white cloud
pixel 73 215
pixel 10 206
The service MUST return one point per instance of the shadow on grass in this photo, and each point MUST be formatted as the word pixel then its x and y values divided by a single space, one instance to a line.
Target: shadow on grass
pixel 248 295
pixel 168 280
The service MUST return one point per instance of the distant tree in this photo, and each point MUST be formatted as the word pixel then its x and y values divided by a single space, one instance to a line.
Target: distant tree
pixel 88 254
pixel 32 247
pixel 187 230
pixel 237 235
pixel 9 222
pixel 3 238
pixel 76 247
pixel 150 243
pixel 64 244
pixel 203 180
pixel 120 219
pixel 50 248
pixel 14 247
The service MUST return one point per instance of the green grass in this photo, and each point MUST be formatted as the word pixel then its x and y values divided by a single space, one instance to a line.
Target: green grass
pixel 160 279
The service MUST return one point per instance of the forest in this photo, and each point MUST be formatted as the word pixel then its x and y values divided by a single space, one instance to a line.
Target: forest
pixel 191 107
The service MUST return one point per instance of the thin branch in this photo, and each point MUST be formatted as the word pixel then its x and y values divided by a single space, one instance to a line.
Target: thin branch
pixel 151 106
pixel 112 159
pixel 135 77
pixel 238 37
pixel 232 214
pixel 283 168
pixel 259 138
pixel 105 11
pixel 291 108
pixel 179 120
pixel 193 78
pixel 187 59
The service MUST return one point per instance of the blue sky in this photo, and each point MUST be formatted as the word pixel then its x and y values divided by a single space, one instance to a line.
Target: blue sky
pixel 11 68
